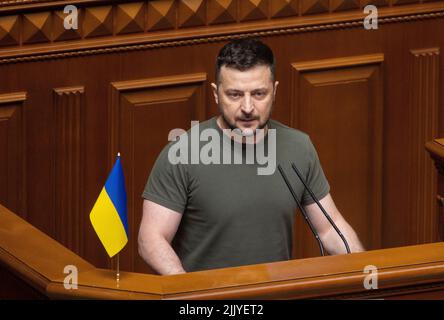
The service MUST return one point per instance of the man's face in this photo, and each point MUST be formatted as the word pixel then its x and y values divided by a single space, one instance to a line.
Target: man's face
pixel 245 98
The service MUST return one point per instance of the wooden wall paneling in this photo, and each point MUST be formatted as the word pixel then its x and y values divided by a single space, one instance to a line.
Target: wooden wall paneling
pixel 9 30
pixel 423 127
pixel 339 103
pixel 221 11
pixel 377 3
pixel 12 152
pixel 142 112
pixel 191 13
pixel 98 21
pixel 37 27
pixel 102 26
pixel 161 15
pixel 253 10
pixel 68 162
pixel 284 8
pixel 314 7
pixel 130 18
pixel 398 2
pixel 59 33
pixel 342 5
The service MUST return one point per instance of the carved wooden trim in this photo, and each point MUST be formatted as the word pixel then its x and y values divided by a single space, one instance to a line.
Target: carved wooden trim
pixel 21 2
pixel 12 105
pixel 67 165
pixel 338 62
pixel 423 126
pixel 12 97
pixel 159 81
pixel 212 33
pixel 42 4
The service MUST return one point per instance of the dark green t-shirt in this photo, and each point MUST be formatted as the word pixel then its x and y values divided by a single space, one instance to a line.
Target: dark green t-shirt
pixel 233 216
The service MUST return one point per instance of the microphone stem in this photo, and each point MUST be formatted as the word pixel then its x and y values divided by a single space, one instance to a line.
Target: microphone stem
pixel 304 213
pixel 321 207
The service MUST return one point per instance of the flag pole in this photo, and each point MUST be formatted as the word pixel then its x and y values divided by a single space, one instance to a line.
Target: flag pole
pixel 118 268
pixel 118 254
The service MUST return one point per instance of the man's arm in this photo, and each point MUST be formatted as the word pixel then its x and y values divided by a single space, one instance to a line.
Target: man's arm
pixel 331 240
pixel 157 229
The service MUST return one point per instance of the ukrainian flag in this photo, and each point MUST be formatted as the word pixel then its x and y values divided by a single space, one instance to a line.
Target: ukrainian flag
pixel 108 215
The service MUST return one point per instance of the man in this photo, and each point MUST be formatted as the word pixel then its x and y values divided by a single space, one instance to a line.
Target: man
pixel 205 216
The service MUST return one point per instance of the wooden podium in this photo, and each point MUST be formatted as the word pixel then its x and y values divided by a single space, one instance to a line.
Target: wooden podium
pixel 32 266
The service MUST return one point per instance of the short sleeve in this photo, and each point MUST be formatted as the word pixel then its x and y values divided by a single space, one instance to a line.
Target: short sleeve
pixel 315 178
pixel 167 184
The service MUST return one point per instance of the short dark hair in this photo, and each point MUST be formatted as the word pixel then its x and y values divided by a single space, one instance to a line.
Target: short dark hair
pixel 243 54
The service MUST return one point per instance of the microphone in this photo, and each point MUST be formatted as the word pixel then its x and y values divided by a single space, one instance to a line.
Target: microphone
pixel 304 213
pixel 321 207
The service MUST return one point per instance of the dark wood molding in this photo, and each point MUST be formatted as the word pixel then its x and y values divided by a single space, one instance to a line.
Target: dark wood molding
pixel 67 165
pixel 423 126
pixel 113 41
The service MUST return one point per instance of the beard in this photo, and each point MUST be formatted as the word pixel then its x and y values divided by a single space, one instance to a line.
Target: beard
pixel 232 124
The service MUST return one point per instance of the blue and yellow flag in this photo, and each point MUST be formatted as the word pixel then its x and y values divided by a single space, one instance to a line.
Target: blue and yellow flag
pixel 108 215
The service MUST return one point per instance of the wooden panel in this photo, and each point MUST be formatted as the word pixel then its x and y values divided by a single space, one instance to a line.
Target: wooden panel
pixel 314 6
pixel 253 10
pixel 161 15
pixel 12 152
pixel 347 135
pixel 423 126
pixel 69 212
pixel 98 21
pixel 191 13
pixel 140 122
pixel 37 27
pixel 222 11
pixel 9 30
pixel 284 8
pixel 377 3
pixel 341 5
pixel 130 18
pixel 59 32
pixel 398 2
